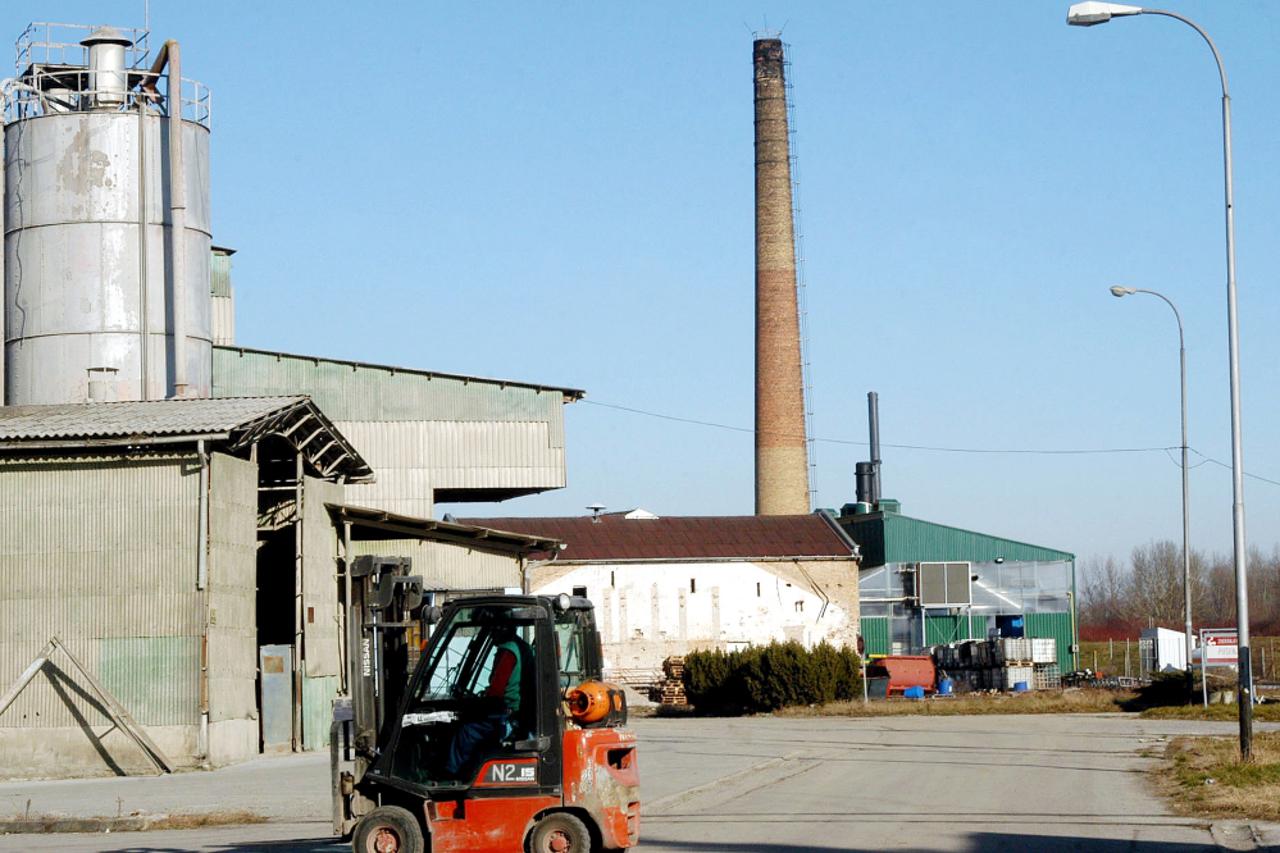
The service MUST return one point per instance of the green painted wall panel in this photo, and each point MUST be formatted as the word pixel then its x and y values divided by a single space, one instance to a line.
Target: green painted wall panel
pixel 317 710
pixel 942 629
pixel 156 679
pixel 1057 626
pixel 875 635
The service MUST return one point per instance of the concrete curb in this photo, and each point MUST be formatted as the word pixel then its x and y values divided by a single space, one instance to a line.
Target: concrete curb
pixel 21 826
pixel 132 823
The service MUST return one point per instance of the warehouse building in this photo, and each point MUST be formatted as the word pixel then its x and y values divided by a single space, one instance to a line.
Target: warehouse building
pixel 924 583
pixel 665 586
pixel 176 548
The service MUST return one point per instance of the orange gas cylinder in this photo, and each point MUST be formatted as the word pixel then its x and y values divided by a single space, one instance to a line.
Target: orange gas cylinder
pixel 589 702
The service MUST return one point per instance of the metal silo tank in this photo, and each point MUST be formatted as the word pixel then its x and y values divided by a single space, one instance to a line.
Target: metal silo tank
pixel 74 267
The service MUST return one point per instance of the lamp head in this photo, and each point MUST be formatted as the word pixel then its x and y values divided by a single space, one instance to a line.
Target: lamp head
pixel 1092 12
pixel 1118 291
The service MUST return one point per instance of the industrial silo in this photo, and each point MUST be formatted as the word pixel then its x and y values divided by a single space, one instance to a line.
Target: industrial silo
pixel 106 256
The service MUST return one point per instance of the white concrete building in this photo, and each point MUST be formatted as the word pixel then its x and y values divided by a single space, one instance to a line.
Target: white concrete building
pixel 668 586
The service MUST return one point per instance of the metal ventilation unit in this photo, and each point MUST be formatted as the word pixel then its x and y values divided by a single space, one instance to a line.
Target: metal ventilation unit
pixel 945 585
pixel 106 220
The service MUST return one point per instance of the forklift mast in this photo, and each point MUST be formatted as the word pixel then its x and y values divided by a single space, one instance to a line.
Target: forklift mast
pixel 385 603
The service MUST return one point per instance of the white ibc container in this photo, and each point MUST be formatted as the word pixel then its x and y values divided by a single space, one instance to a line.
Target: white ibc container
pixel 1044 650
pixel 1011 675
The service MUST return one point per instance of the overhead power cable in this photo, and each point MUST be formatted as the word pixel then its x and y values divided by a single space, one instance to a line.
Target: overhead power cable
pixel 1211 461
pixel 928 447
pixel 1026 451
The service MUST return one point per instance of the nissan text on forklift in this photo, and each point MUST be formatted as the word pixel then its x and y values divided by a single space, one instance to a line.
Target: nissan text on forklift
pixel 505 738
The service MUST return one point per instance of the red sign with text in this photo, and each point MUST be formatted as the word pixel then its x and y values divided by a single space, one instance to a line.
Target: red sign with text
pixel 1221 646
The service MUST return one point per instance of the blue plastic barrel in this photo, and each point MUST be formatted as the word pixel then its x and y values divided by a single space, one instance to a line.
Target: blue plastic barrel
pixel 945 686
pixel 913 693
pixel 1020 687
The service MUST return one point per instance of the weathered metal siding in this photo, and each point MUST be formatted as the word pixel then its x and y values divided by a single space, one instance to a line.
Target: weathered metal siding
pixel 875 635
pixel 233 553
pixel 317 710
pixel 446 566
pixel 319 579
pixel 892 538
pixel 224 320
pixel 1057 626
pixel 72 292
pixel 420 432
pixel 102 553
pixel 412 459
pixel 223 296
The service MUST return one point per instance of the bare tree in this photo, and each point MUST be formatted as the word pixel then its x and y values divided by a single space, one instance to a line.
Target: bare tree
pixel 1156 584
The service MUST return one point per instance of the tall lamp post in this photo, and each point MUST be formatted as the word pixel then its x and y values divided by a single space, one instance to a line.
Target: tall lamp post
pixel 1119 291
pixel 1087 15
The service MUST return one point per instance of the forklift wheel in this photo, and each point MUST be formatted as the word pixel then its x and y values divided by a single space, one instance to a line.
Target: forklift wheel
pixel 560 833
pixel 388 829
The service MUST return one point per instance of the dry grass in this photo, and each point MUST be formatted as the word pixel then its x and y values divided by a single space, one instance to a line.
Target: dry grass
pixel 1269 713
pixel 1109 657
pixel 1070 701
pixel 196 821
pixel 1204 776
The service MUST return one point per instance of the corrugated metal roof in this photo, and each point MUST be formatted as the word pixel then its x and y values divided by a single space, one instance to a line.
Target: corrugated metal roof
pixel 570 394
pixel 143 419
pixel 615 537
pixel 888 537
pixel 238 421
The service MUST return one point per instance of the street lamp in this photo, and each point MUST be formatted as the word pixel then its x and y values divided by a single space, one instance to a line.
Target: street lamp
pixel 1119 291
pixel 1086 15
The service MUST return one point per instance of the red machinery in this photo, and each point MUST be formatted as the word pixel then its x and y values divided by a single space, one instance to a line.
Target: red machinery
pixel 556 773
pixel 903 671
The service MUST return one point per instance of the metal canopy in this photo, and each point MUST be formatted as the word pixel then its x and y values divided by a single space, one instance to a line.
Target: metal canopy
pixel 375 524
pixel 236 422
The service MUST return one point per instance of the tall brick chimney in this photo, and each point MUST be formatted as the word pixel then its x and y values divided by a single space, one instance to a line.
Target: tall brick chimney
pixel 782 459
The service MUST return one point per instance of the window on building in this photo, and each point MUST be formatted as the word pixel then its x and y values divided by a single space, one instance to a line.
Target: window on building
pixel 693 584
pixel 613 580
pixel 799 606
pixel 580 591
pixel 757 589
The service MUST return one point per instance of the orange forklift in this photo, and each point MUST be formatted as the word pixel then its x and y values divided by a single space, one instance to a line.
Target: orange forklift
pixel 505 739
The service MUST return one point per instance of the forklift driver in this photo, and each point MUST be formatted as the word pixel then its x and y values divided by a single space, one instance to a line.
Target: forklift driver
pixel 512 665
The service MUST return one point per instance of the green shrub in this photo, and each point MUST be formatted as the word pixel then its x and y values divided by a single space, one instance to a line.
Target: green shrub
pixel 766 678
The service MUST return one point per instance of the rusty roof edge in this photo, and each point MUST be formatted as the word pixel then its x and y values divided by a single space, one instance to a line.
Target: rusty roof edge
pixel 571 395
pixel 830 518
pixel 482 538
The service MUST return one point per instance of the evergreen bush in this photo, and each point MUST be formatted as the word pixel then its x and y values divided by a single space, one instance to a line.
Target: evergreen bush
pixel 765 678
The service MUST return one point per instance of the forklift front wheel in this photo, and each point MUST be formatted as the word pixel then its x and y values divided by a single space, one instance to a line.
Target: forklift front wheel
pixel 388 829
pixel 560 833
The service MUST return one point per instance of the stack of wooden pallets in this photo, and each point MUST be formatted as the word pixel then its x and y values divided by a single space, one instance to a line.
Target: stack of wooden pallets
pixel 671 689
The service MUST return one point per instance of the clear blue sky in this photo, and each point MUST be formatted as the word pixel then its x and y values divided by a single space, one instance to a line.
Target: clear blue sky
pixel 562 193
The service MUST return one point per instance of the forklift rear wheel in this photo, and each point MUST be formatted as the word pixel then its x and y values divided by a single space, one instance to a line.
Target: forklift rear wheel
pixel 560 833
pixel 388 829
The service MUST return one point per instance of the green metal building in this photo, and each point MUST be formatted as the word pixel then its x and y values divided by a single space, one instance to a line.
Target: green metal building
pixel 1013 587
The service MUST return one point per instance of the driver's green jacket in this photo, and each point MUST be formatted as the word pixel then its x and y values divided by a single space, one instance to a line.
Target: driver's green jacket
pixel 511 669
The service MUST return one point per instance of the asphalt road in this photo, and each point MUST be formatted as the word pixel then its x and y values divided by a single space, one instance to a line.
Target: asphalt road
pixel 792 785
